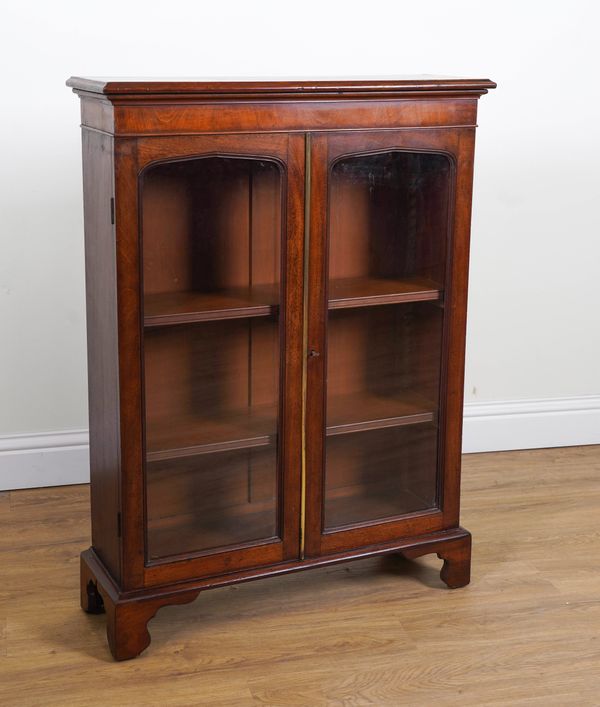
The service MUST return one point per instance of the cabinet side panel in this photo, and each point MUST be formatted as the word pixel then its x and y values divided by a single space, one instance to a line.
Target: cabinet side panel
pixel 103 370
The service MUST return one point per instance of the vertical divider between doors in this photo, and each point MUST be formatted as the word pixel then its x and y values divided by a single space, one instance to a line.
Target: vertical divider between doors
pixel 307 165
pixel 315 348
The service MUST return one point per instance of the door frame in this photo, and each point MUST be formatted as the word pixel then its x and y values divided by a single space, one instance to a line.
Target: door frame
pixel 327 148
pixel 133 155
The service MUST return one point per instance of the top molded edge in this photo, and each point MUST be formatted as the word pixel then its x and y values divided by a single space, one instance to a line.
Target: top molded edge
pixel 108 86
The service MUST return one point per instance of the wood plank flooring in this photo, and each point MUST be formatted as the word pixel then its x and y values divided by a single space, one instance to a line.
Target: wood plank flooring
pixel 375 632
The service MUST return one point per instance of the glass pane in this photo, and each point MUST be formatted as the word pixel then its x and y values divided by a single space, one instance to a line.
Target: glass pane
pixel 387 250
pixel 211 234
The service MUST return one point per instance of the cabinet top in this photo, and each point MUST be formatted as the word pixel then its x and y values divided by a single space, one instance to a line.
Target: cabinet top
pixel 282 88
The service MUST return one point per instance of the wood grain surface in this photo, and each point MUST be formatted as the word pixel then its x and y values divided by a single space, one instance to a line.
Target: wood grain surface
pixel 372 632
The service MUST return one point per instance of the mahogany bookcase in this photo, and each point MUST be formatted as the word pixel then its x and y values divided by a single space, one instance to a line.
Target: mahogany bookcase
pixel 276 299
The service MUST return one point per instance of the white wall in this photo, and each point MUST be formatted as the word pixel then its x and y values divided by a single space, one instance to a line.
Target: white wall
pixel 535 287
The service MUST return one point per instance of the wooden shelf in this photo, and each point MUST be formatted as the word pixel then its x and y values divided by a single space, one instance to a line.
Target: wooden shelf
pixel 189 436
pixel 345 505
pixel 367 292
pixel 186 437
pixel 168 308
pixel 184 534
pixel 362 411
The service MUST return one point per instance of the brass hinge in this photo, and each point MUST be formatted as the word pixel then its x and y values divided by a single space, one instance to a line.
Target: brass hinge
pixel 112 210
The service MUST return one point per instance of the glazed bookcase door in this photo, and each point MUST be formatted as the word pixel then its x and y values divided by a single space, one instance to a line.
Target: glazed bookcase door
pixel 220 322
pixel 381 244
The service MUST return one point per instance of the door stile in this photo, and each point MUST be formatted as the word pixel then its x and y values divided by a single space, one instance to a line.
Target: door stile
pixel 455 329
pixel 315 350
pixel 132 491
pixel 293 347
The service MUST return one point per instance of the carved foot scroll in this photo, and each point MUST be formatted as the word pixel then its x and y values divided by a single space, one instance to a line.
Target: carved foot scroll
pixel 126 618
pixel 456 554
pixel 127 623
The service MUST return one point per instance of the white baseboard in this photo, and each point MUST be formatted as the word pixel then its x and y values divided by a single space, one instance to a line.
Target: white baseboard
pixel 531 424
pixel 60 458
pixel 44 459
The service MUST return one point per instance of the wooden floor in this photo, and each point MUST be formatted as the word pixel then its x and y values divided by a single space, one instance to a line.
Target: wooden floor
pixel 375 632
